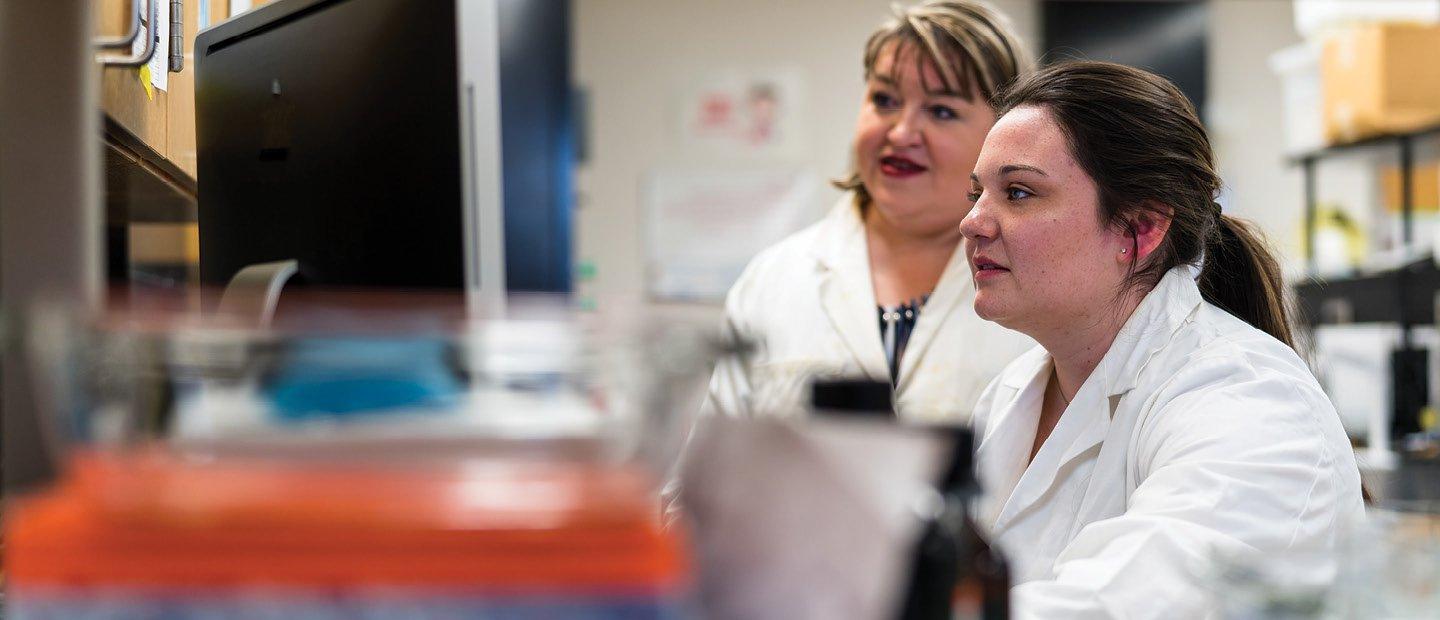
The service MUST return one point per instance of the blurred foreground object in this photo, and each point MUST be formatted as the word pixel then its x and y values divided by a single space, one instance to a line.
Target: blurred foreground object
pixel 806 519
pixel 368 465
pixel 1389 569
pixel 175 535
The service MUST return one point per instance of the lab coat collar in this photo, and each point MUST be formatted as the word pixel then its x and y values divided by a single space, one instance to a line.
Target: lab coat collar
pixel 1167 307
pixel 846 292
pixel 1086 421
pixel 842 251
pixel 1023 371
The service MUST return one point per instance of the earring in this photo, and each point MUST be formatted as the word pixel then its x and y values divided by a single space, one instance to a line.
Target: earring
pixel 1124 250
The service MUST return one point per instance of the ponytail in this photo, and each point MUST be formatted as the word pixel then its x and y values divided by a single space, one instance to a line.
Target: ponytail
pixel 1241 276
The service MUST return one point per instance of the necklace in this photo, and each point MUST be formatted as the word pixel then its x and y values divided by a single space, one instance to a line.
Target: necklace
pixel 1056 377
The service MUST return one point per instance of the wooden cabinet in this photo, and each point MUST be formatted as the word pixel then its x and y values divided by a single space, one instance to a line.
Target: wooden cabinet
pixel 150 157
pixel 163 120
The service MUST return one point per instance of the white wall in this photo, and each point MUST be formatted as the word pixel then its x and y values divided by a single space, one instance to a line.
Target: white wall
pixel 1245 120
pixel 632 56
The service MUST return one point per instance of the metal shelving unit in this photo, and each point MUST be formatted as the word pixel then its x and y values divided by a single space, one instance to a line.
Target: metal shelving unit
pixel 1404 296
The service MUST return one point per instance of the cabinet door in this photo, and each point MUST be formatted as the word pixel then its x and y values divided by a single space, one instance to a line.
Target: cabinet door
pixel 180 111
pixel 163 119
pixel 123 95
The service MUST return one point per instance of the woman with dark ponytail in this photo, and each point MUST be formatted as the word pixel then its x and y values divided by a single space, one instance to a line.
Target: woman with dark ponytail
pixel 1165 417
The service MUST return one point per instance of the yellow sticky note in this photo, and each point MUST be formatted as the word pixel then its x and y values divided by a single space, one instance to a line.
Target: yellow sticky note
pixel 145 80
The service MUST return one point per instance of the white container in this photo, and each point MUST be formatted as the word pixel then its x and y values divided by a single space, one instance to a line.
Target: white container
pixel 1315 18
pixel 1298 68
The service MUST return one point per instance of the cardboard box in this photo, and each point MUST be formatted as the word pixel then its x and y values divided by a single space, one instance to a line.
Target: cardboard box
pixel 164 243
pixel 1379 79
pixel 1424 187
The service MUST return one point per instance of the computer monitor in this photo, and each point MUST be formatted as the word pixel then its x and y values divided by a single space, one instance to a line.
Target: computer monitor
pixel 358 137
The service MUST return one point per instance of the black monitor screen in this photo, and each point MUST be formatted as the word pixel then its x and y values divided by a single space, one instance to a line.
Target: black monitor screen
pixel 329 132
pixel 1167 38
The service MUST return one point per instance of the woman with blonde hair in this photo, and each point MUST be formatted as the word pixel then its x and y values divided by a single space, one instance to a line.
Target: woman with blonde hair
pixel 879 288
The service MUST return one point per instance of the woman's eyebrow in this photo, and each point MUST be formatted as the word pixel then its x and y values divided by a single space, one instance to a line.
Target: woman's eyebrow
pixel 1008 168
pixel 945 92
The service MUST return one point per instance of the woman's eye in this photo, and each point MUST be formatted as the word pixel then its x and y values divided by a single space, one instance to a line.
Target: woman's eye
pixel 882 100
pixel 943 113
pixel 973 196
pixel 1017 193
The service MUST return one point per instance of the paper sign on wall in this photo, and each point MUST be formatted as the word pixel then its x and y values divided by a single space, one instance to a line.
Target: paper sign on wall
pixel 703 227
pixel 744 114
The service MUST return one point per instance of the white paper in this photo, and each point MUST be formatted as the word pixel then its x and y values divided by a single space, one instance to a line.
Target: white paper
pixel 804 520
pixel 704 226
pixel 159 63
pixel 239 6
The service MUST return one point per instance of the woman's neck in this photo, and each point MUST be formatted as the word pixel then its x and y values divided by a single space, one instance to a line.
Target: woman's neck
pixel 1077 346
pixel 904 240
pixel 904 264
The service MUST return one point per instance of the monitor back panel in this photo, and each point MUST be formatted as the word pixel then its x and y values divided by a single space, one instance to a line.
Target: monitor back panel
pixel 329 132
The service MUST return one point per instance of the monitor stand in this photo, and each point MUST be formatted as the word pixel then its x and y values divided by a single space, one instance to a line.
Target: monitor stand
pixel 251 296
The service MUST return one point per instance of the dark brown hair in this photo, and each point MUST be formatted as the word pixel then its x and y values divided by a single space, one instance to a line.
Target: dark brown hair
pixel 1138 137
pixel 971 46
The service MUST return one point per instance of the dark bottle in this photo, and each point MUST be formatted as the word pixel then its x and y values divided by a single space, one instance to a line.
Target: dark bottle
pixel 956 574
pixel 860 398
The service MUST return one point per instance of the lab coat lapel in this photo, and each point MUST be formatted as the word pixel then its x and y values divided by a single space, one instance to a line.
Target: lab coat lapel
pixel 846 292
pixel 1007 438
pixel 954 289
pixel 1081 428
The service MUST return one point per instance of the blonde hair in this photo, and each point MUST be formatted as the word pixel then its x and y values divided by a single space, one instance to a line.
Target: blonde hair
pixel 971 45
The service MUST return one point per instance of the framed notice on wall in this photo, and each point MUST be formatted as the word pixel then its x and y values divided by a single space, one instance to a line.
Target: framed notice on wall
pixel 744 114
pixel 703 226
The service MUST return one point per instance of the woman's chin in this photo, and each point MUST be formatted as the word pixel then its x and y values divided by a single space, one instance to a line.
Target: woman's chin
pixel 989 309
pixel 997 311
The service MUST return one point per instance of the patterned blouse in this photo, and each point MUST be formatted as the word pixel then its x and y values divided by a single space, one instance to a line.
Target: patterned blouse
pixel 896 323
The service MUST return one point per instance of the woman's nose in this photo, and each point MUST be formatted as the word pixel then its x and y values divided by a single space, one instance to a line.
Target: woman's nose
pixel 905 131
pixel 977 223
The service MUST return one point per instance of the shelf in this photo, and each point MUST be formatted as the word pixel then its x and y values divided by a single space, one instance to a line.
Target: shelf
pixel 1381 140
pixel 1404 296
pixel 140 185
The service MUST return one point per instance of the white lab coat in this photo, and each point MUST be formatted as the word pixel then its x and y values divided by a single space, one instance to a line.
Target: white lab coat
pixel 1197 434
pixel 809 303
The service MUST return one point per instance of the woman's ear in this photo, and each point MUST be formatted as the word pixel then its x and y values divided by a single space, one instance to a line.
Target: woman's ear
pixel 1148 226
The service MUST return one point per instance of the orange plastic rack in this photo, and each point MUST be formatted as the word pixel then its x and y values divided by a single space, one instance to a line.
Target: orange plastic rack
pixel 154 519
